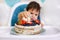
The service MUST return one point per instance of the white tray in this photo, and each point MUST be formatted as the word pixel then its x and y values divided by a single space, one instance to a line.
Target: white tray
pixel 50 33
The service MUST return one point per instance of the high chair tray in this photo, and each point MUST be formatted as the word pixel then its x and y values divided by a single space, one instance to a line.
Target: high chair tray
pixel 50 33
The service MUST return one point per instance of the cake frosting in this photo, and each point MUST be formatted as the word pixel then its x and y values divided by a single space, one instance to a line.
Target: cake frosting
pixel 19 29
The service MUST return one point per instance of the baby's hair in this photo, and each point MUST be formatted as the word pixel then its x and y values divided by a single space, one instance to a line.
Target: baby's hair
pixel 33 5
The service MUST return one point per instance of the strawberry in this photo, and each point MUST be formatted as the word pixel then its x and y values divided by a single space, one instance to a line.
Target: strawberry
pixel 37 21
pixel 23 22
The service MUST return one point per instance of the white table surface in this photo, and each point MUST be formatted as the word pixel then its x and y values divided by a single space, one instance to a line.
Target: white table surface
pixel 51 33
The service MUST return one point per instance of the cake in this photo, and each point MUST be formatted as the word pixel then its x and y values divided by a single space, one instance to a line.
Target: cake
pixel 19 29
pixel 25 26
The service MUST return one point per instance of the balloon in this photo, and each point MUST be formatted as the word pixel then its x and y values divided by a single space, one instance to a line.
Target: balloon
pixel 11 3
pixel 42 1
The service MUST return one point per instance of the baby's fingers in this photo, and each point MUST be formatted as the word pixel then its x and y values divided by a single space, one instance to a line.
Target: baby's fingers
pixel 26 14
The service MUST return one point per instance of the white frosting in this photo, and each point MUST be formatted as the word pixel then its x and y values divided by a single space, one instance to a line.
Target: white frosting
pixel 28 30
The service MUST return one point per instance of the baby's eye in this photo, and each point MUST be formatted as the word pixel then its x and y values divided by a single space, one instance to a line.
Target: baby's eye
pixel 31 13
pixel 36 14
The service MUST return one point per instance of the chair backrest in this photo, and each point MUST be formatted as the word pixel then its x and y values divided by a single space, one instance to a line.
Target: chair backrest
pixel 19 9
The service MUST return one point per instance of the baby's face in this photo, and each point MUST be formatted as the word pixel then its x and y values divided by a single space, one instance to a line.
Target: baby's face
pixel 34 14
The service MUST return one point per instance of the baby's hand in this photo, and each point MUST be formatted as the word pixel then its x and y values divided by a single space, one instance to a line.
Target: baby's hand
pixel 42 24
pixel 26 14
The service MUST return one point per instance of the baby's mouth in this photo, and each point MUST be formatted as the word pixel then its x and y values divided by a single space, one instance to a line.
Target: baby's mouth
pixel 33 19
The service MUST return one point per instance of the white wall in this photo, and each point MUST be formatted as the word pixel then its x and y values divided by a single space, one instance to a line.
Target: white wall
pixel 4 14
pixel 51 13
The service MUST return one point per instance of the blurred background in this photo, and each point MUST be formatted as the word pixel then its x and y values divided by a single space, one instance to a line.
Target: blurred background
pixel 50 11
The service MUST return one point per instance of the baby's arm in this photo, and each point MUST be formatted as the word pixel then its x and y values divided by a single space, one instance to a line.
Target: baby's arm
pixel 19 18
